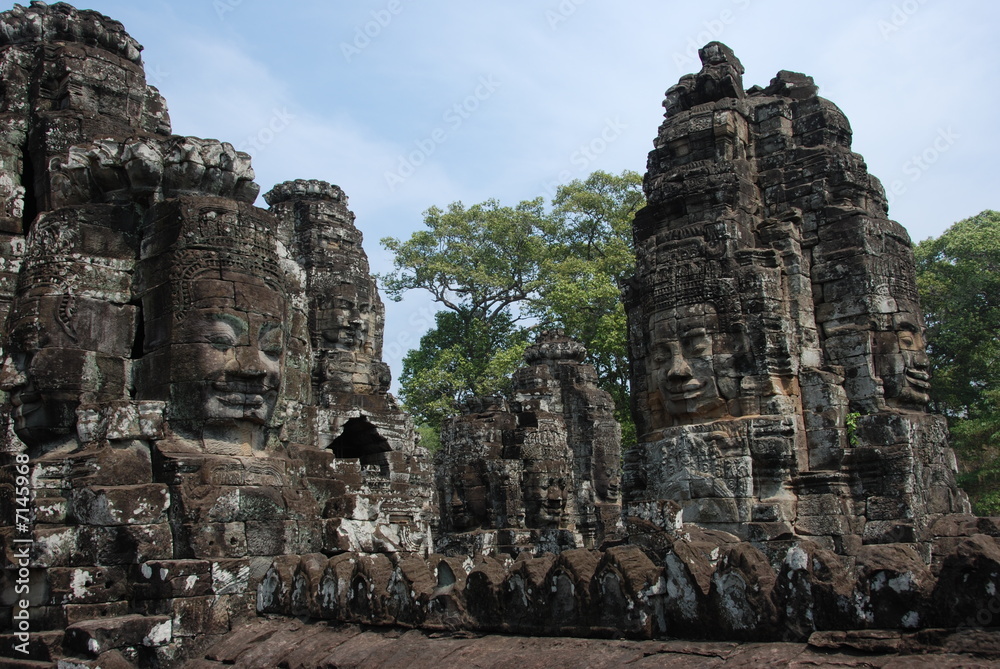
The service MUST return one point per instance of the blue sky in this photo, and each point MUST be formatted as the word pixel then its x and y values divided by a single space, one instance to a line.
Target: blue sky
pixel 409 104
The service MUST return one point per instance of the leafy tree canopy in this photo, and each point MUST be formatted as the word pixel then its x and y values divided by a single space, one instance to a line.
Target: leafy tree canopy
pixel 958 275
pixel 500 271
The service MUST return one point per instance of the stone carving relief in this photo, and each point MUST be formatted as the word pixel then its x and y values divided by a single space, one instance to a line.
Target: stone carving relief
pixel 196 382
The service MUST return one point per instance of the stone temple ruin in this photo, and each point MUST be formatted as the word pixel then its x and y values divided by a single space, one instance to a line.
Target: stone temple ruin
pixel 778 372
pixel 201 462
pixel 538 473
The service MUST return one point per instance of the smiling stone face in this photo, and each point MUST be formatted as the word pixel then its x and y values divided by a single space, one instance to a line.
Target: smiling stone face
pixel 235 356
pixel 902 363
pixel 215 317
pixel 346 319
pixel 682 374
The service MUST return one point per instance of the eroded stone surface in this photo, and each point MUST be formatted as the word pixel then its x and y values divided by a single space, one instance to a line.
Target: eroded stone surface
pixel 193 390
pixel 700 585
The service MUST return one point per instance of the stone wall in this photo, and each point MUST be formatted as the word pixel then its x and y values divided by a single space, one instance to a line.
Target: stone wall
pixel 195 428
pixel 689 583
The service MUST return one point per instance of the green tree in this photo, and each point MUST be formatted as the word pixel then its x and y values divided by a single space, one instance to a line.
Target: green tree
pixel 458 359
pixel 477 261
pixel 495 268
pixel 589 255
pixel 958 275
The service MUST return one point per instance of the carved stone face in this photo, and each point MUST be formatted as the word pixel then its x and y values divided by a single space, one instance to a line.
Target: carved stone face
pixel 901 361
pixel 346 319
pixel 61 350
pixel 607 477
pixel 41 410
pixel 682 369
pixel 550 500
pixel 468 501
pixel 236 355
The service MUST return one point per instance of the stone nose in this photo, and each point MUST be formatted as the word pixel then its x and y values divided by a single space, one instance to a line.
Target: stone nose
pixel 919 360
pixel 679 368
pixel 246 362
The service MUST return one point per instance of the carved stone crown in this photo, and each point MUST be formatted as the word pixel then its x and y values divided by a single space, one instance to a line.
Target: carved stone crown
pixel 62 23
pixel 553 346
pixel 305 189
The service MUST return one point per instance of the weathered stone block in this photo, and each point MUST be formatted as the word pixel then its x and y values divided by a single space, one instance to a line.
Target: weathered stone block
pixel 195 616
pixel 217 540
pixel 77 613
pixel 121 505
pixel 86 585
pixel 165 579
pixel 93 637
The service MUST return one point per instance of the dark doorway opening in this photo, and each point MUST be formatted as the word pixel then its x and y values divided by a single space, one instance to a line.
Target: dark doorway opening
pixel 360 439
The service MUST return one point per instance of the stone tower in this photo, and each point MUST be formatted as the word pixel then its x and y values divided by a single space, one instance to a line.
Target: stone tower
pixel 539 472
pixel 192 385
pixel 778 369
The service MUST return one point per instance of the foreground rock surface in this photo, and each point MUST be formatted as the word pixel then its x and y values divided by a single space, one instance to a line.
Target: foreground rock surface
pixel 295 645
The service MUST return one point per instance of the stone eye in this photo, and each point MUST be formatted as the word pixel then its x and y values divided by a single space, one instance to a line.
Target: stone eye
pixel 221 342
pixel 270 341
pixel 697 344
